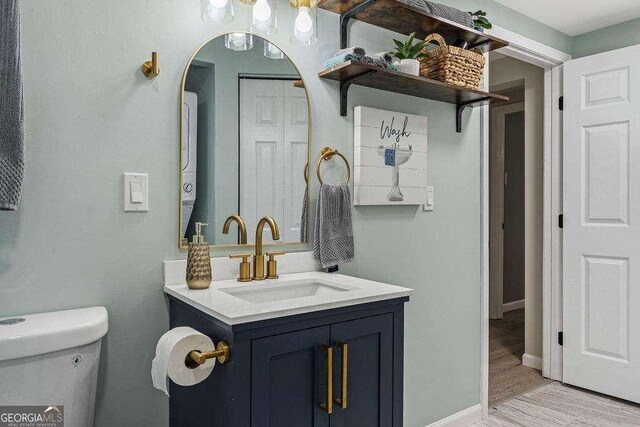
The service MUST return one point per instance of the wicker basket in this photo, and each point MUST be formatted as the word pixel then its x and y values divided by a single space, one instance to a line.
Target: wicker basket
pixel 452 64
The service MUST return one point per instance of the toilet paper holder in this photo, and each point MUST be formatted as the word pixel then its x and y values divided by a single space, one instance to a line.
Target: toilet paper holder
pixel 199 357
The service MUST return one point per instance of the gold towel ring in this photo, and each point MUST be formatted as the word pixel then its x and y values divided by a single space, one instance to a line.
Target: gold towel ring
pixel 327 154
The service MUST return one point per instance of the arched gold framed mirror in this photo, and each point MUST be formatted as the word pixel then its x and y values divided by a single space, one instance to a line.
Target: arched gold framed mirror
pixel 244 145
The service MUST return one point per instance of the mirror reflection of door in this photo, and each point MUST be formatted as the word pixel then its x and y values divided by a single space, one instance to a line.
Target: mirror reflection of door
pixel 244 142
pixel 273 144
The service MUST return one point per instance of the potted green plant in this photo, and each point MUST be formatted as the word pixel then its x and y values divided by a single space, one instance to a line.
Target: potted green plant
pixel 407 55
pixel 480 21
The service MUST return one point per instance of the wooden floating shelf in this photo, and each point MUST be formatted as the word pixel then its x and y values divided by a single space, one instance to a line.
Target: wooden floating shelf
pixel 404 19
pixel 366 75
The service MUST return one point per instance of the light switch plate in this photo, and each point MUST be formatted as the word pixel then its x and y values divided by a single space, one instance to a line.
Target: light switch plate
pixel 428 207
pixel 136 192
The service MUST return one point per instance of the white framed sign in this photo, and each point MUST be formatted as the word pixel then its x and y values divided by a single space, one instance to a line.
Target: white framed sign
pixel 390 157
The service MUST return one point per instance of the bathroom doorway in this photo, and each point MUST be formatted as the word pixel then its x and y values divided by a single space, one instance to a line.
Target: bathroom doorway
pixel 515 229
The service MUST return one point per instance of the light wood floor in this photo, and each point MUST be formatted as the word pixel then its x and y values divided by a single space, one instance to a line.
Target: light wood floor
pixel 507 376
pixel 556 404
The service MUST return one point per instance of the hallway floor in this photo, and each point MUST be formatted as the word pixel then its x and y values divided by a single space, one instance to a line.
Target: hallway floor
pixel 556 404
pixel 520 396
pixel 507 376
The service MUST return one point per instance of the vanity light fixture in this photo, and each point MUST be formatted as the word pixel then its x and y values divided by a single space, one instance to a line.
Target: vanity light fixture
pixel 271 51
pixel 217 11
pixel 304 22
pixel 263 16
pixel 238 41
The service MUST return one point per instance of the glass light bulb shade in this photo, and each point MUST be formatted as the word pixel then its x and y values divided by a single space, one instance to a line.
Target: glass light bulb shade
pixel 303 22
pixel 304 28
pixel 217 11
pixel 263 17
pixel 271 51
pixel 238 41
pixel 262 11
pixel 219 4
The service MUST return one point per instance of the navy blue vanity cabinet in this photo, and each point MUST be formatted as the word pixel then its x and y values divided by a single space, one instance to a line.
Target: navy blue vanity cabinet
pixel 278 369
pixel 368 347
pixel 287 381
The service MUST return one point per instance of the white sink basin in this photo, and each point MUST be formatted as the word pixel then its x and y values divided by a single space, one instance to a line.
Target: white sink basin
pixel 236 303
pixel 269 292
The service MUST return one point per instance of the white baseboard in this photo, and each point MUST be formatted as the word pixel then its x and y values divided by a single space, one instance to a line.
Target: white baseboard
pixel 532 361
pixel 464 418
pixel 513 305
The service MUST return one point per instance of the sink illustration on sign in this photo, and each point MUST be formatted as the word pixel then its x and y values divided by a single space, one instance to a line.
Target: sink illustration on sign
pixel 389 142
pixel 395 156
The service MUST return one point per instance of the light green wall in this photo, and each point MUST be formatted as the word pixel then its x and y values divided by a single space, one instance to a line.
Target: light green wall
pixel 92 115
pixel 605 39
pixel 509 19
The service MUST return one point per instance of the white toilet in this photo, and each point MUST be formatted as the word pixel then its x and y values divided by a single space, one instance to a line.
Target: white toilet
pixel 51 359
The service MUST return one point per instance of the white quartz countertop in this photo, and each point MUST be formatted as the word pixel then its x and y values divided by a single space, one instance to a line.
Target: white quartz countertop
pixel 226 300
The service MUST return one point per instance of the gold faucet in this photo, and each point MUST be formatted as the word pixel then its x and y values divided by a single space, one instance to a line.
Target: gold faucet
pixel 241 226
pixel 258 258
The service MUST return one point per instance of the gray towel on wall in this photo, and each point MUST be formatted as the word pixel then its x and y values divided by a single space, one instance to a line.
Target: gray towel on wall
pixel 304 219
pixel 333 237
pixel 11 107
pixel 446 12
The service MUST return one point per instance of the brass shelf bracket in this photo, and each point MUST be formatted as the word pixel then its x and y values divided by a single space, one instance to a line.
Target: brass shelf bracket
pixel 151 69
pixel 344 89
pixel 221 353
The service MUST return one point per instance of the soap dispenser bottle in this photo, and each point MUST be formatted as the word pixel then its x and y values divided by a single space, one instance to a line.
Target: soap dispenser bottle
pixel 199 261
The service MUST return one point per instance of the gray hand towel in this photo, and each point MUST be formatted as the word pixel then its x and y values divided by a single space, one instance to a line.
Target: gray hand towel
pixel 356 51
pixel 11 107
pixel 446 12
pixel 333 237
pixel 304 219
pixel 385 56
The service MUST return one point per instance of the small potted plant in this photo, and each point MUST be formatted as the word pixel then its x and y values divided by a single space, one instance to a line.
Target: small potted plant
pixel 408 54
pixel 480 21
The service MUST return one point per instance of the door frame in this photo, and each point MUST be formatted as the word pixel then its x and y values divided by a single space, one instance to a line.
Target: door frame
pixel 551 60
pixel 496 188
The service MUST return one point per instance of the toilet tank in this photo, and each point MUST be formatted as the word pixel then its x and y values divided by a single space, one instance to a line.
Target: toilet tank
pixel 50 360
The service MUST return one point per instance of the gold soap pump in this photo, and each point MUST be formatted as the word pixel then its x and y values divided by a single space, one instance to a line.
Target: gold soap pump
pixel 199 261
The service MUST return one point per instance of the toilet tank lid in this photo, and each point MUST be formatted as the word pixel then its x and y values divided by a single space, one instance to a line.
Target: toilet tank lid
pixel 48 332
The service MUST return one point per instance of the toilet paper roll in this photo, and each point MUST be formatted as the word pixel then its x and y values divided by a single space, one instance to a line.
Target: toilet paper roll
pixel 172 350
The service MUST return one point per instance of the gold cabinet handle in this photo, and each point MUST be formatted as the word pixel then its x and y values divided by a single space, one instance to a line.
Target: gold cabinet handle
pixel 344 349
pixel 328 406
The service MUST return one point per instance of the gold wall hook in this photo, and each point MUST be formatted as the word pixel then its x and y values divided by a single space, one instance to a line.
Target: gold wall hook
pixel 151 69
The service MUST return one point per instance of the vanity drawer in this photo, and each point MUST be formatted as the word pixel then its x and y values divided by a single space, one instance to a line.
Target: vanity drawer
pixel 290 374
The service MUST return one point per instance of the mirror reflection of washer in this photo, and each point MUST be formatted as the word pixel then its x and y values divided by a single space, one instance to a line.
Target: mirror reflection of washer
pixel 189 156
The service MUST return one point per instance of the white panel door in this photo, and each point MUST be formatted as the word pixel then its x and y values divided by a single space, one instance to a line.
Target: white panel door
pixel 601 262
pixel 296 140
pixel 261 153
